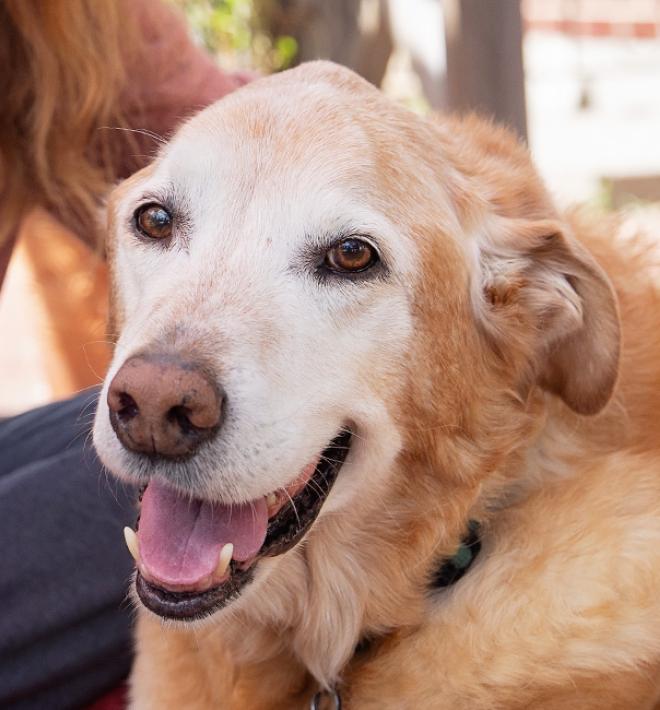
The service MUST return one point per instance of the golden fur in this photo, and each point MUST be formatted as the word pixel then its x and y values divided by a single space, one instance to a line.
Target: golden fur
pixel 502 405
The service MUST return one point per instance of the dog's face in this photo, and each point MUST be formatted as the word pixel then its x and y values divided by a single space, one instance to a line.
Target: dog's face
pixel 291 278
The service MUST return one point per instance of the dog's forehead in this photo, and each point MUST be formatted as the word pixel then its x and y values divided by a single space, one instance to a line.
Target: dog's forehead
pixel 305 138
pixel 300 157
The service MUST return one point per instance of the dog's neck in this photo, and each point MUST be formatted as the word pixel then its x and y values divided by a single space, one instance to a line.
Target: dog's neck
pixel 370 575
pixel 357 578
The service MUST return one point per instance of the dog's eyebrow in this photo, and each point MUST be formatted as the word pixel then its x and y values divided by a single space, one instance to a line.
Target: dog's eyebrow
pixel 326 237
pixel 319 242
pixel 164 195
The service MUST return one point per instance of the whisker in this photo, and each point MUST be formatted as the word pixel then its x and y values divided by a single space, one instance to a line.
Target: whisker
pixel 293 504
pixel 141 131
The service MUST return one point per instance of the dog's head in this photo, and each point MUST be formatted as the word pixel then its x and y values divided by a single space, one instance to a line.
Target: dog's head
pixel 310 286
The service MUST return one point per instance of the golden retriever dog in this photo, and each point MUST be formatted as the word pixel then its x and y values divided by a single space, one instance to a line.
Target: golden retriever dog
pixel 394 416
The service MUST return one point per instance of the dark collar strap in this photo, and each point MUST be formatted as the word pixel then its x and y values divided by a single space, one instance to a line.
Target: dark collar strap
pixel 449 572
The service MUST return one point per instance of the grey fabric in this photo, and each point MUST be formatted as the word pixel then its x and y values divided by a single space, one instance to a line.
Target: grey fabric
pixel 64 569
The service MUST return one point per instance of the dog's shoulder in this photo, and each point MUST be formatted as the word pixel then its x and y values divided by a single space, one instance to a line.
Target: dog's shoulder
pixel 564 593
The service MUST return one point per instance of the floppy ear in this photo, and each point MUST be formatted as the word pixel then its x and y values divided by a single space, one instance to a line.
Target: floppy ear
pixel 542 291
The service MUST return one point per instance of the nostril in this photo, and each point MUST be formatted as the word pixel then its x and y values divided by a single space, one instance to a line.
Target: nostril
pixel 194 422
pixel 128 408
pixel 181 415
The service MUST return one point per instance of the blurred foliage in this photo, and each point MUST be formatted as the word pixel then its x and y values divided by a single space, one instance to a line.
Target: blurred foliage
pixel 603 198
pixel 232 30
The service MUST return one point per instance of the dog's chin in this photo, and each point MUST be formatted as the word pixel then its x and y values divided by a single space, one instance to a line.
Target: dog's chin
pixel 287 525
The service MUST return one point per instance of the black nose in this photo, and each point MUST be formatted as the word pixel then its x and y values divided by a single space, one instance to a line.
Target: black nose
pixel 160 404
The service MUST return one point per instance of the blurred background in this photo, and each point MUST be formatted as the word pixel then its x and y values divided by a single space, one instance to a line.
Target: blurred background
pixel 579 80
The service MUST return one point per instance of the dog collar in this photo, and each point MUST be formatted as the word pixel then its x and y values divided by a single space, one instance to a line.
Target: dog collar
pixel 449 572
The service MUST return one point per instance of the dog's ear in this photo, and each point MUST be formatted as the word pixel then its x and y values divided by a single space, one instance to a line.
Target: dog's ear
pixel 541 295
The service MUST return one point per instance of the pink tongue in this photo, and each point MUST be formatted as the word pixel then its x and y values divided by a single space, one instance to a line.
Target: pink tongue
pixel 180 539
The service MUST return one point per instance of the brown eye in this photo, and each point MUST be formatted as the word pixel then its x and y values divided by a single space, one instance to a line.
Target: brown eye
pixel 351 255
pixel 154 221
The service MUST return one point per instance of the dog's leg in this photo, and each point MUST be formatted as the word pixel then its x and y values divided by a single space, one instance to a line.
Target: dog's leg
pixel 175 669
pixel 184 668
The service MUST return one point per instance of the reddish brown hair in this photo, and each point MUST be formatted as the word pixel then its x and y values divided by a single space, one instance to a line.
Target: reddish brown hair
pixel 64 70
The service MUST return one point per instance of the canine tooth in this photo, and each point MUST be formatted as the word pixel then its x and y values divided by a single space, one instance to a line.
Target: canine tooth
pixel 271 500
pixel 225 558
pixel 132 543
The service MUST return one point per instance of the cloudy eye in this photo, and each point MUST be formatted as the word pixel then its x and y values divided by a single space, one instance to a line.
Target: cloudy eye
pixel 154 221
pixel 350 255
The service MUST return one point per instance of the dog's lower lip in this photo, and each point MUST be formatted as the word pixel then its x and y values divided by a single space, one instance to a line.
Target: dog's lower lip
pixel 190 606
pixel 285 529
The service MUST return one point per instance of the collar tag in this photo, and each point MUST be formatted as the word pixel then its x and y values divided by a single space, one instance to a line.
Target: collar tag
pixel 326 700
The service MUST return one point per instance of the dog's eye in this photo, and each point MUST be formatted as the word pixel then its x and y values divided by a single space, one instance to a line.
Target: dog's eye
pixel 154 221
pixel 351 255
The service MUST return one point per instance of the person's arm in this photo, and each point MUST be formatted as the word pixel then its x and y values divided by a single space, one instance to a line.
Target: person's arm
pixel 5 255
pixel 170 77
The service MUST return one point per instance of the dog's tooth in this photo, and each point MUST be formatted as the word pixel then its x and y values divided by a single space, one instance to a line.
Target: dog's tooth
pixel 225 558
pixel 132 543
pixel 271 500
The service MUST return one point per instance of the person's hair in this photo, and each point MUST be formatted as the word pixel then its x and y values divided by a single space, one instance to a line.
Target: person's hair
pixel 63 69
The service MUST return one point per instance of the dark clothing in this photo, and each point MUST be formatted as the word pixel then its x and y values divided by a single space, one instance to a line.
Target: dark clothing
pixel 65 619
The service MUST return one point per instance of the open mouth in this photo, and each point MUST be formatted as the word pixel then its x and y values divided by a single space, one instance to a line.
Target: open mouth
pixel 195 557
